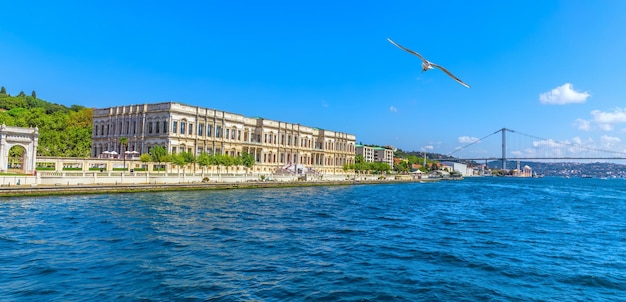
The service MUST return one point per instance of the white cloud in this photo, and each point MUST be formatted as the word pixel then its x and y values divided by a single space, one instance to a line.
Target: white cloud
pixel 467 139
pixel 563 95
pixel 602 120
pixel 605 127
pixel 546 143
pixel 617 116
pixel 609 141
pixel 582 124
pixel 393 109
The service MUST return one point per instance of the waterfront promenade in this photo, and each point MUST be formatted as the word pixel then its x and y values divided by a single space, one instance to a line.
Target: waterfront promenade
pixel 48 183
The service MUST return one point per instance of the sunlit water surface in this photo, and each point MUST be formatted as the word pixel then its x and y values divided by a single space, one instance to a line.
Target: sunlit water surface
pixel 497 239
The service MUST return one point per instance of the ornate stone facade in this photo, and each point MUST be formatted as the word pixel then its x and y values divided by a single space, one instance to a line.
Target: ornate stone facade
pixel 17 136
pixel 181 128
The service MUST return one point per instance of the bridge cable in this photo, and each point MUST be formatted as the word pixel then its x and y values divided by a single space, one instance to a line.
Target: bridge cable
pixel 569 144
pixel 474 142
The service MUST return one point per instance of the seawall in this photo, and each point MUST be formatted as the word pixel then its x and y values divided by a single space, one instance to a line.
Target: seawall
pixel 46 190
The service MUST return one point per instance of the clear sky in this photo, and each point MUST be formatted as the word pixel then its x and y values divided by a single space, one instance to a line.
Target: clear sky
pixel 553 69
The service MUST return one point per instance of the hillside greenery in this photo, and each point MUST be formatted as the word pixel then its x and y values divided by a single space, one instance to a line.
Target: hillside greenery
pixel 63 131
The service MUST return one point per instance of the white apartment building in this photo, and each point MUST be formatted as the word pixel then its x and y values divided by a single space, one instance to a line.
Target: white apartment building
pixel 463 169
pixel 183 128
pixel 376 154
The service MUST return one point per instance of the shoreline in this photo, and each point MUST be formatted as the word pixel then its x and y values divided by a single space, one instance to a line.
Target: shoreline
pixel 60 190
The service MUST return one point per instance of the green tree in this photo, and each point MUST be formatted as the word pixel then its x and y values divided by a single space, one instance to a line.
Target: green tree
pixel 158 154
pixel 247 160
pixel 227 161
pixel 145 158
pixel 237 161
pixel 401 167
pixel 34 94
pixel 189 159
pixel 62 132
pixel 178 160
pixel 16 155
pixel 3 91
pixel 204 160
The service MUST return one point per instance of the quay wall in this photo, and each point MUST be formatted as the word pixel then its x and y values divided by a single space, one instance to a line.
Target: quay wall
pixel 51 184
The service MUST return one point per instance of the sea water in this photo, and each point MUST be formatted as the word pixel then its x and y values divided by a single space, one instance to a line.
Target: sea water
pixel 479 239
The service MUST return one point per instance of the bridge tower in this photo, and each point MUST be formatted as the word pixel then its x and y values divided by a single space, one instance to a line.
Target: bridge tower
pixel 503 149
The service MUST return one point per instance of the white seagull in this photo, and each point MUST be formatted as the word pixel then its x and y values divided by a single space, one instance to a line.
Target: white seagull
pixel 426 65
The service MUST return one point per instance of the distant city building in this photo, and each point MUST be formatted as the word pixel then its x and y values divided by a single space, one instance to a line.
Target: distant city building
pixel 376 154
pixel 458 167
pixel 182 128
pixel 526 171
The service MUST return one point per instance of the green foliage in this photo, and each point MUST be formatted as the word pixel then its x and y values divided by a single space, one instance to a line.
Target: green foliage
pixel 182 159
pixel 189 157
pixel 63 132
pixel 402 167
pixel 178 160
pixel 237 161
pixel 145 158
pixel 204 160
pixel 123 146
pixel 159 154
pixel 227 161
pixel 365 167
pixel 247 160
pixel 380 167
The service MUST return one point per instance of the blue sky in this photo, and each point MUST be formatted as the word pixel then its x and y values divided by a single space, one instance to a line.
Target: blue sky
pixel 553 69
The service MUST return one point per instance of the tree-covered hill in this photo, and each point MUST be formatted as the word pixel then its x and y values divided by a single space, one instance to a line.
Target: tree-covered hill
pixel 63 131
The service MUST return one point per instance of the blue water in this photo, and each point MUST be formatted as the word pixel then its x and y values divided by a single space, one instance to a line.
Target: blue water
pixel 482 239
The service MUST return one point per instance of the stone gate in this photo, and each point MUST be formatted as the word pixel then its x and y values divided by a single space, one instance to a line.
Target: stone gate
pixel 19 136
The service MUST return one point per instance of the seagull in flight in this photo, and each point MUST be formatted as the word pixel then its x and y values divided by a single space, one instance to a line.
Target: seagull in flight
pixel 426 65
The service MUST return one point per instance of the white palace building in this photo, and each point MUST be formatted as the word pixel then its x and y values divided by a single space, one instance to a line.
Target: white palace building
pixel 181 128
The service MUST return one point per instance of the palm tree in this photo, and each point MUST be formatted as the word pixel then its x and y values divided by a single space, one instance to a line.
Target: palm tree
pixel 124 143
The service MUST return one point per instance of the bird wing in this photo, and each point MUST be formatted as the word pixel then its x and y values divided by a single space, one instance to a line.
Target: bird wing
pixel 451 75
pixel 407 50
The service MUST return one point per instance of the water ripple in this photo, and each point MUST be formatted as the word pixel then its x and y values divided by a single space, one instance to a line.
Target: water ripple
pixel 479 239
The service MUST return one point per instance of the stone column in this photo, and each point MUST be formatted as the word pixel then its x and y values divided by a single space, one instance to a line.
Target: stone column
pixel 4 151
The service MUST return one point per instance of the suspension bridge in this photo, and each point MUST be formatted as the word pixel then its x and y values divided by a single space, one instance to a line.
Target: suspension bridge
pixel 519 146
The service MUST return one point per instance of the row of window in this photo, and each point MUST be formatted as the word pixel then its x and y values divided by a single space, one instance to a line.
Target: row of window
pixel 185 128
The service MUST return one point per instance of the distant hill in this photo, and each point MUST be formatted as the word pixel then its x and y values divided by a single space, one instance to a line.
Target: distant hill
pixel 569 169
pixel 63 131
pixel 561 169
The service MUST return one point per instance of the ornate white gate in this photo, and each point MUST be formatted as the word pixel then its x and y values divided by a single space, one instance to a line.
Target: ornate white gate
pixel 18 136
